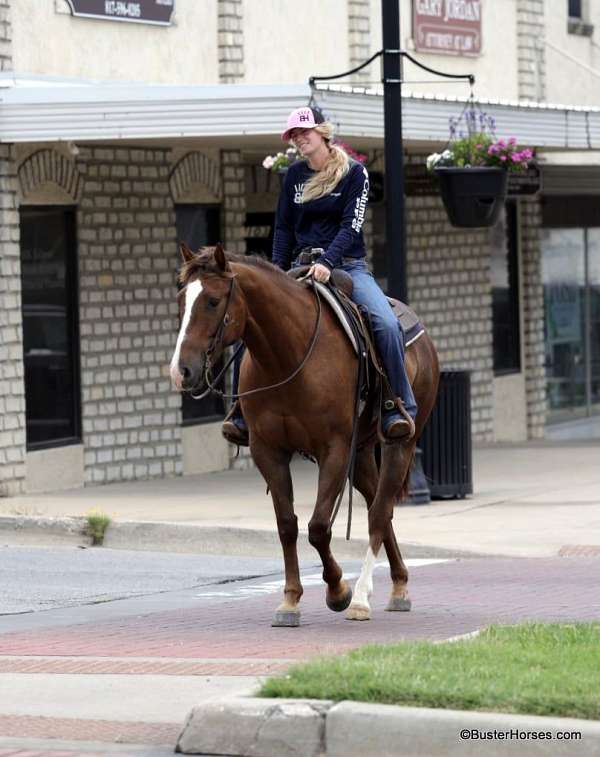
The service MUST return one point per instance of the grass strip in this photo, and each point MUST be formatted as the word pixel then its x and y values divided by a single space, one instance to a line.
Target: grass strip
pixel 534 668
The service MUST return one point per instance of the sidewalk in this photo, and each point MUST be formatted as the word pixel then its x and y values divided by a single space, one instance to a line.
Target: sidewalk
pixel 531 500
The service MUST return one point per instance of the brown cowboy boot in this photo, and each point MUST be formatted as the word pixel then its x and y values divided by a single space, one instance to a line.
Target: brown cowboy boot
pixel 234 427
pixel 396 423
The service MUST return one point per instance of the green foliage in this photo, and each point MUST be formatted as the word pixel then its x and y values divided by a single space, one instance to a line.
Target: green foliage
pixel 542 669
pixel 97 523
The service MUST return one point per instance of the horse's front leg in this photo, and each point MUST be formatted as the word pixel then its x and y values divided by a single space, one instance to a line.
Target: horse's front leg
pixel 395 462
pixel 274 465
pixel 331 479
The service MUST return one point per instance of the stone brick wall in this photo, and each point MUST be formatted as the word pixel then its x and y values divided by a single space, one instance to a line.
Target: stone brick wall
pixel 533 317
pixel 234 220
pixel 531 50
pixel 128 315
pixel 6 63
pixel 359 37
pixel 230 30
pixel 12 387
pixel 449 287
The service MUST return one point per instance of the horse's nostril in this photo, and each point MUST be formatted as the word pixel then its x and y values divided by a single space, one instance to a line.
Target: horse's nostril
pixel 185 372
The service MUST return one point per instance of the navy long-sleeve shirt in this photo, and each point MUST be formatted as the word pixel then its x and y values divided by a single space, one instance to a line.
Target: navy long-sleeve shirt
pixel 333 222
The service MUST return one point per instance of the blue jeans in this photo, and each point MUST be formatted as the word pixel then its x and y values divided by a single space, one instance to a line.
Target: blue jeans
pixel 389 338
pixel 387 332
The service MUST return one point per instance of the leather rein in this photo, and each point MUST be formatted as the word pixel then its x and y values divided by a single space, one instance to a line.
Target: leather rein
pixel 217 339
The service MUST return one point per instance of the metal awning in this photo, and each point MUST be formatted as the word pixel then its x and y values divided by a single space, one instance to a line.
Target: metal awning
pixel 49 110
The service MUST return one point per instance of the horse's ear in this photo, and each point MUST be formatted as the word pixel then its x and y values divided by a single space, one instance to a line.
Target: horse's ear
pixel 220 258
pixel 186 253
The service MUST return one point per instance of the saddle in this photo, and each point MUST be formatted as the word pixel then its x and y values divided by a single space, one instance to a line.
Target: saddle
pixel 338 293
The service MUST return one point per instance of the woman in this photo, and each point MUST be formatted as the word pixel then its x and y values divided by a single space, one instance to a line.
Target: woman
pixel 322 206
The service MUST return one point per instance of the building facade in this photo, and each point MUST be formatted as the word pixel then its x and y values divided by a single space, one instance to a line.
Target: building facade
pixel 120 137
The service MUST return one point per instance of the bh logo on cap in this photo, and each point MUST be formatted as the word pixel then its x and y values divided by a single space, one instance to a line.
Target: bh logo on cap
pixel 301 118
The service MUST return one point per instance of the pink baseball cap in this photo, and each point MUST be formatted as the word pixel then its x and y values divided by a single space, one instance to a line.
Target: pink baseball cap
pixel 301 118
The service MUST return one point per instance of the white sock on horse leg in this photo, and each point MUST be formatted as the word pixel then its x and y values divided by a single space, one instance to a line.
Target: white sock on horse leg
pixel 364 585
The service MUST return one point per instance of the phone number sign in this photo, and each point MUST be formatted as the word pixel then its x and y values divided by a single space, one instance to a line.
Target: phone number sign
pixel 137 11
pixel 447 27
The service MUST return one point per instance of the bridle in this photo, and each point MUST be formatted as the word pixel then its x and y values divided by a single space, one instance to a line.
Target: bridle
pixel 217 341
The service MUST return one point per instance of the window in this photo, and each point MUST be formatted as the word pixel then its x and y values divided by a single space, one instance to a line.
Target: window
pixel 505 293
pixel 575 9
pixel 50 326
pixel 199 225
pixel 571 277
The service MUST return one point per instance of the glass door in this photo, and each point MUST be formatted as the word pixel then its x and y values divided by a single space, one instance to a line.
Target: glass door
pixel 594 316
pixel 564 281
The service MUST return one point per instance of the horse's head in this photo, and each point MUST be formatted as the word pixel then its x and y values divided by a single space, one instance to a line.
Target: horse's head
pixel 212 316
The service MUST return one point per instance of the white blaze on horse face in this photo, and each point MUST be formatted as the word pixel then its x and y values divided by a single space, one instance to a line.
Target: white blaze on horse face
pixel 192 292
pixel 364 585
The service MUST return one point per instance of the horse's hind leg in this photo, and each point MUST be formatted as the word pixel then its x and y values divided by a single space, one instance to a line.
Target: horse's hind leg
pixel 331 478
pixel 366 476
pixel 274 466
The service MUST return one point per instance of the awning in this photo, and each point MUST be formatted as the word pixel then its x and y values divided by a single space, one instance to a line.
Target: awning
pixel 45 110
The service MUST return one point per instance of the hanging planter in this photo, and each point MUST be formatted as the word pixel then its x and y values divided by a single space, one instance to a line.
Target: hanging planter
pixel 473 172
pixel 472 196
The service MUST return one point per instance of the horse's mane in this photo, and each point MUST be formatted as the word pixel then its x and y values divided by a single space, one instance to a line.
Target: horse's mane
pixel 204 262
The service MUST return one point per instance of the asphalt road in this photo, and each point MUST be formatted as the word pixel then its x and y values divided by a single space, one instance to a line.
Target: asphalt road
pixel 46 578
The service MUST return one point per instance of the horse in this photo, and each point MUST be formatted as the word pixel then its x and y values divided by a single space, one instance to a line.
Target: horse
pixel 292 406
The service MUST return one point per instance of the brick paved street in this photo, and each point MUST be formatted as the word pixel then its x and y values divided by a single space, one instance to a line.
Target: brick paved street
pixel 231 635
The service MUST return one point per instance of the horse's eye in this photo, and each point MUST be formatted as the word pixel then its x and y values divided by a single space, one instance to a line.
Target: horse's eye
pixel 212 303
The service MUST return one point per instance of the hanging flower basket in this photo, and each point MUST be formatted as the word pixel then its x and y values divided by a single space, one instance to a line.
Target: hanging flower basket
pixel 473 172
pixel 472 196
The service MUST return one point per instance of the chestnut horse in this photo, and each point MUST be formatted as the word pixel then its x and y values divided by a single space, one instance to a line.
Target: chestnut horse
pixel 229 297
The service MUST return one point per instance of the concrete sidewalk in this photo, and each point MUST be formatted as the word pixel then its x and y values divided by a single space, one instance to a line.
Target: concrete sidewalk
pixel 536 499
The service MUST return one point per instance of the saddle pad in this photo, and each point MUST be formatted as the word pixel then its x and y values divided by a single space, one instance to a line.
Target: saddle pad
pixel 409 321
pixel 330 297
pixel 411 326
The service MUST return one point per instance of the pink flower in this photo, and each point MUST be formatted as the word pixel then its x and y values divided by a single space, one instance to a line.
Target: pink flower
pixel 503 157
pixel 478 147
pixel 516 157
pixel 512 141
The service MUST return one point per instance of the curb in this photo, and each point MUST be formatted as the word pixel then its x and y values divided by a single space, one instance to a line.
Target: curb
pixel 320 728
pixel 165 536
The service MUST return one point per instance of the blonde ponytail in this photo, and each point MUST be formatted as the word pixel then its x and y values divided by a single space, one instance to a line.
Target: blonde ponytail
pixel 337 166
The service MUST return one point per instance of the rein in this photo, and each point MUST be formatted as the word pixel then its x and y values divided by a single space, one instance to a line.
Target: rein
pixel 210 381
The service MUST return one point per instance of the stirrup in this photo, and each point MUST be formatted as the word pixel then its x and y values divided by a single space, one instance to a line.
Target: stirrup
pixel 231 431
pixel 403 429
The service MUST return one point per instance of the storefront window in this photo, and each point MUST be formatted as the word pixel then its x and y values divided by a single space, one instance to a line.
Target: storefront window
pixel 594 311
pixel 505 292
pixel 563 276
pixel 199 225
pixel 50 326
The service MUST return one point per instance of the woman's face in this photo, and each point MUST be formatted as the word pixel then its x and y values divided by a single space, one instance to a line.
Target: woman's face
pixel 306 141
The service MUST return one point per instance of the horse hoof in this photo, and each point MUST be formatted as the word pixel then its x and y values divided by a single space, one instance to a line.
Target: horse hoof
pixel 286 619
pixel 399 604
pixel 339 605
pixel 358 612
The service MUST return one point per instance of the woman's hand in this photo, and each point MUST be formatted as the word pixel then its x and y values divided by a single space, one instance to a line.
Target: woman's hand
pixel 320 273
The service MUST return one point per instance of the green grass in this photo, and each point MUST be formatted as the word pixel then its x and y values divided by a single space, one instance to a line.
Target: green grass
pixel 97 523
pixel 542 669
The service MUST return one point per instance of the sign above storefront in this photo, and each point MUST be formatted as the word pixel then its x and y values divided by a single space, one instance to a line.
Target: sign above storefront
pixel 137 11
pixel 447 27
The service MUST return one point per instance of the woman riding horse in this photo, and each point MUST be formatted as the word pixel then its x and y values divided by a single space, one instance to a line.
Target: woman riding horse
pixel 321 210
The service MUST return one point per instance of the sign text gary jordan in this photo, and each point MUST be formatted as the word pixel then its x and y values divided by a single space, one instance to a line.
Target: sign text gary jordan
pixel 450 10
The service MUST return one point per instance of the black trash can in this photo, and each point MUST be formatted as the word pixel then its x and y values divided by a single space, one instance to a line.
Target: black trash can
pixel 446 439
